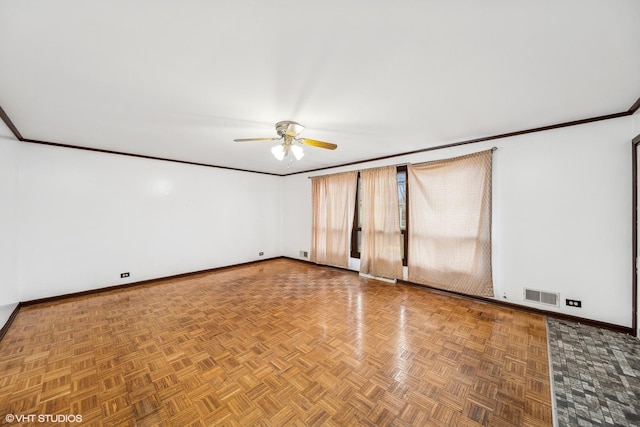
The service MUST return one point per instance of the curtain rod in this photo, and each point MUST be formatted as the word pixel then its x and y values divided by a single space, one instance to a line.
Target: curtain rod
pixel 399 164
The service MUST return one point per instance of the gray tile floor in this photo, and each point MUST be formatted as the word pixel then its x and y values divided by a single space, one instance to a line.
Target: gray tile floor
pixel 596 375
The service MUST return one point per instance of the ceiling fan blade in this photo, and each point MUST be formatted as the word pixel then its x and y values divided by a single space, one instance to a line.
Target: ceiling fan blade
pixel 255 139
pixel 321 144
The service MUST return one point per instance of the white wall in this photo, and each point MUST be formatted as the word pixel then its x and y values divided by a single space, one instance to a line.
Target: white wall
pixel 561 215
pixel 636 123
pixel 9 293
pixel 73 220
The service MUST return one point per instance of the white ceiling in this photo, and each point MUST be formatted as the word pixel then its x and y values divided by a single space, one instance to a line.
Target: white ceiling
pixel 181 79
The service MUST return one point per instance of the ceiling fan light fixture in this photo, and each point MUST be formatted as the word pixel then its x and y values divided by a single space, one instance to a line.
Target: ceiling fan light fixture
pixel 278 152
pixel 291 146
pixel 297 151
pixel 294 129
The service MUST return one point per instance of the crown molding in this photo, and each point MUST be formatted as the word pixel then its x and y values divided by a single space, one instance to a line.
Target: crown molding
pixel 5 118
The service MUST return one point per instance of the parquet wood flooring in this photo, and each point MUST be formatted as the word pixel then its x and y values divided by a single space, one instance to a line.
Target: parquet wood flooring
pixel 277 343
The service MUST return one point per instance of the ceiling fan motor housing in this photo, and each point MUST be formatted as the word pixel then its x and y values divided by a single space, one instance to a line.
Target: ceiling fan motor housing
pixel 289 128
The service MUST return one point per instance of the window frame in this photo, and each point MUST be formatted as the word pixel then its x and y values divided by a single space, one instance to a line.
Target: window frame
pixel 357 227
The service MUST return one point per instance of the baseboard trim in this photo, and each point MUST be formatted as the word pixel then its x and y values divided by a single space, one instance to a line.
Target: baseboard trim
pixel 506 304
pixel 532 310
pixel 158 280
pixel 10 320
pixel 547 313
pixel 568 317
pixel 57 298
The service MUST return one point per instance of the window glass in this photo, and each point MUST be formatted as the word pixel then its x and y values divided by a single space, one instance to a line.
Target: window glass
pixel 402 198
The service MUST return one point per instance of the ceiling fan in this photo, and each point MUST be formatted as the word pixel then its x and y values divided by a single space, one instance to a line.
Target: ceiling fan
pixel 288 132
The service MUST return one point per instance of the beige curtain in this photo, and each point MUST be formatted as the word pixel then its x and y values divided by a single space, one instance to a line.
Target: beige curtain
pixel 450 224
pixel 333 204
pixel 381 252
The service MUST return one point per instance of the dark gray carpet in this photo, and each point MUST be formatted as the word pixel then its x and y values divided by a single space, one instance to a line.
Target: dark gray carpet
pixel 596 375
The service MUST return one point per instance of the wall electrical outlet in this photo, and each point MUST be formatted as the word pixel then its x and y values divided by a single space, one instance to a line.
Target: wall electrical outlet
pixel 123 275
pixel 260 253
pixel 304 254
pixel 574 303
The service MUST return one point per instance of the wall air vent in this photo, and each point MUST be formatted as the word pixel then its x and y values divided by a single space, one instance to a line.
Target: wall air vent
pixel 541 297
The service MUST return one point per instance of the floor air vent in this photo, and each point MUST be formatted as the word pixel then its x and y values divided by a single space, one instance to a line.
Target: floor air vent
pixel 541 297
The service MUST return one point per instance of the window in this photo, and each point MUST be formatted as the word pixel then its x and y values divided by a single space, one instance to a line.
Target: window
pixel 331 201
pixel 356 234
pixel 450 231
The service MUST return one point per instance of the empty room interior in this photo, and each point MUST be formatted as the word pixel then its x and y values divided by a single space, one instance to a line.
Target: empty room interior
pixel 329 213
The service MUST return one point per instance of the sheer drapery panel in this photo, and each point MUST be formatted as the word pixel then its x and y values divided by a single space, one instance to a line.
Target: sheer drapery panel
pixel 381 252
pixel 333 205
pixel 450 224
